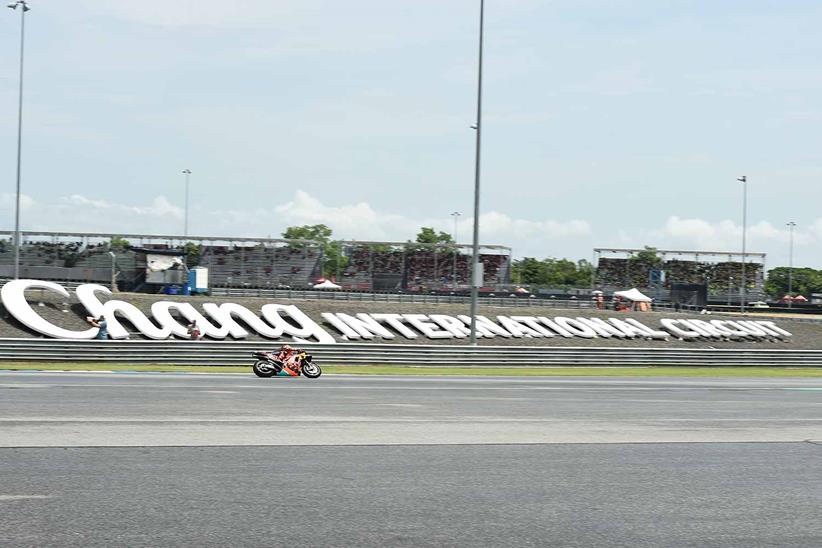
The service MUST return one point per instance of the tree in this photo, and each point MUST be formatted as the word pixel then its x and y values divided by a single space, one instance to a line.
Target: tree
pixel 118 242
pixel 585 273
pixel 427 235
pixel 647 256
pixel 805 281
pixel 530 271
pixel 334 260
pixel 553 272
pixel 430 237
pixel 193 252
pixel 318 233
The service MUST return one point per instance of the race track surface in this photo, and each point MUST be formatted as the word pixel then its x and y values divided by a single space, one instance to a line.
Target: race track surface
pixel 101 459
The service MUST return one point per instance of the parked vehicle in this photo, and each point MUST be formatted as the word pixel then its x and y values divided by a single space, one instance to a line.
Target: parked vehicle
pixel 300 363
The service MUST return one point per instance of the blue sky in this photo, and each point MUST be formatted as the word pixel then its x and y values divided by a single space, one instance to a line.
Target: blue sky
pixel 607 123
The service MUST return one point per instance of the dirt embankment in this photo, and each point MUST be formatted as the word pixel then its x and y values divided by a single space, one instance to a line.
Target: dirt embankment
pixel 70 314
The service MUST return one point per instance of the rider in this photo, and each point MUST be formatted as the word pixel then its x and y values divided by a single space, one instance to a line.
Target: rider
pixel 284 356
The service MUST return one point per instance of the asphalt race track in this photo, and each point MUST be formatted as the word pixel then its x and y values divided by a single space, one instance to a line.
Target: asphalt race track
pixel 95 459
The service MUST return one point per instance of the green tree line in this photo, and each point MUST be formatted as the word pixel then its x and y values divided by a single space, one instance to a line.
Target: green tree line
pixel 805 281
pixel 334 259
pixel 560 273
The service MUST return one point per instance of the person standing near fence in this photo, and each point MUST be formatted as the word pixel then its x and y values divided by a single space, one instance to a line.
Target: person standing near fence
pixel 193 330
pixel 102 325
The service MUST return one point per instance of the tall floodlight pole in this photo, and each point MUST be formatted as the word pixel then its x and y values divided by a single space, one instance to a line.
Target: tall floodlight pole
pixel 23 9
pixel 456 216
pixel 187 173
pixel 476 273
pixel 744 180
pixel 791 226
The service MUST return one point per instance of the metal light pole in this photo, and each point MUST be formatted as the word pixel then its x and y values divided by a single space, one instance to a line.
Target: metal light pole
pixel 791 226
pixel 113 271
pixel 475 273
pixel 337 260
pixel 187 173
pixel 744 180
pixel 24 8
pixel 456 216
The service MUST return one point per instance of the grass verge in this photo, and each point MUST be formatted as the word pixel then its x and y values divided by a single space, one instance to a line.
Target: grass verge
pixel 446 371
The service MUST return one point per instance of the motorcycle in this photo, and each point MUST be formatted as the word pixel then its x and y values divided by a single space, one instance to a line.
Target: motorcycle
pixel 301 363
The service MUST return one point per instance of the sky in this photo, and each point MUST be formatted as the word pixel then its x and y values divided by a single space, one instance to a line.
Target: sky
pixel 606 123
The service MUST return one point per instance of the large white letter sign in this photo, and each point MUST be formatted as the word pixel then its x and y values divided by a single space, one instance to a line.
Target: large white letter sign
pixel 365 326
pixel 533 323
pixel 602 328
pixel 395 321
pixel 87 295
pixel 226 312
pixel 161 311
pixel 576 327
pixel 651 333
pixel 682 334
pixel 556 327
pixel 13 295
pixel 427 327
pixel 307 327
pixel 455 326
pixel 341 326
pixel 518 329
pixel 772 325
pixel 486 327
pixel 731 331
pixel 768 332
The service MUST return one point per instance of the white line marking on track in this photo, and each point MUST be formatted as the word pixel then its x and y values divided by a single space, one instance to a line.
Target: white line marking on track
pixel 472 419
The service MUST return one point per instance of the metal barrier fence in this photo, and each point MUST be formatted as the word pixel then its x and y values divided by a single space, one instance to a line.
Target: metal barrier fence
pixel 356 296
pixel 239 353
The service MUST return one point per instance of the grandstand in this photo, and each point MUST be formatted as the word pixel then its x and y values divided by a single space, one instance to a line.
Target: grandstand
pixel 265 263
pixel 721 271
pixel 79 257
pixel 234 262
pixel 261 263
pixel 411 266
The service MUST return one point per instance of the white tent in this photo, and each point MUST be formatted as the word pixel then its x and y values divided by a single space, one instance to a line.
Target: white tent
pixel 633 295
pixel 327 284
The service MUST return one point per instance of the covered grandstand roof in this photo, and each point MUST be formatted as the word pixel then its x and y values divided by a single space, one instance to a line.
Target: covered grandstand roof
pixel 678 252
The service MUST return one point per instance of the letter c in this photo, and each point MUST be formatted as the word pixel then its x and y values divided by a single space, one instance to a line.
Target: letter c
pixel 14 299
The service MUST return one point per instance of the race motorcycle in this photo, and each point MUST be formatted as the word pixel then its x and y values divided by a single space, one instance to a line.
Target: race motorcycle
pixel 301 363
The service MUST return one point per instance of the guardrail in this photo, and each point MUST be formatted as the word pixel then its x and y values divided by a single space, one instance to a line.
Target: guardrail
pixel 424 298
pixel 238 353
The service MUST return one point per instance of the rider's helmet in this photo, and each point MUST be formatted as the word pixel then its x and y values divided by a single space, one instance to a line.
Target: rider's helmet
pixel 286 348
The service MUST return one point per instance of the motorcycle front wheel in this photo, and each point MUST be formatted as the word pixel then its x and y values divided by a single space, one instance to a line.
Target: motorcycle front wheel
pixel 311 370
pixel 263 368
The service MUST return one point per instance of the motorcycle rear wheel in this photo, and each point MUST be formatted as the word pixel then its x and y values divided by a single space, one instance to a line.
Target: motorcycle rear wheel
pixel 263 368
pixel 311 370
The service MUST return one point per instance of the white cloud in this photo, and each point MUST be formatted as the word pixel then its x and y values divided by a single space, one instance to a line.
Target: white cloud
pixel 727 235
pixel 703 235
pixel 79 213
pixel 198 12
pixel 359 220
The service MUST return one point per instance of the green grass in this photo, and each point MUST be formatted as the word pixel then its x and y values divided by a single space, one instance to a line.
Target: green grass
pixel 448 371
pixel 584 371
pixel 98 366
